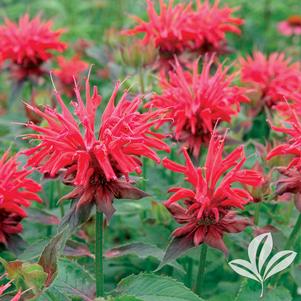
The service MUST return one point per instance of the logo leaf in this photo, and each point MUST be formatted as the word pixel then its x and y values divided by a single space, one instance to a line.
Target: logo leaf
pixel 253 249
pixel 272 268
pixel 265 251
pixel 247 271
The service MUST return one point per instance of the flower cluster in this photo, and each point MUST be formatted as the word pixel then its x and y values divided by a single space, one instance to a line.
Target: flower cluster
pixel 274 78
pixel 195 101
pixel 16 191
pixel 207 208
pixel 97 163
pixel 28 44
pixel 181 28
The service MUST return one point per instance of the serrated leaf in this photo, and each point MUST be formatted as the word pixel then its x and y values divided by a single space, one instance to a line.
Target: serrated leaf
pixel 273 268
pixel 237 265
pixel 175 249
pixel 142 250
pixel 150 287
pixel 74 280
pixel 53 294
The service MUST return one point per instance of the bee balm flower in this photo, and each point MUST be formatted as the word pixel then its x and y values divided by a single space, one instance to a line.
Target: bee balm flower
pixel 207 207
pixel 180 28
pixel 273 77
pixel 28 44
pixel 290 182
pixel 97 162
pixel 196 100
pixel 16 191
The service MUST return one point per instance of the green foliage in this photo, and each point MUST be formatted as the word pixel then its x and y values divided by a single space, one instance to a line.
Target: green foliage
pixel 148 287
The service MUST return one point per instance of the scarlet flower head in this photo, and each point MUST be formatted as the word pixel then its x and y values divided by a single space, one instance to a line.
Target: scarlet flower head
pixel 274 77
pixel 195 101
pixel 180 28
pixel 291 26
pixel 69 69
pixel 16 191
pixel 207 210
pixel 96 163
pixel 28 44
pixel 290 179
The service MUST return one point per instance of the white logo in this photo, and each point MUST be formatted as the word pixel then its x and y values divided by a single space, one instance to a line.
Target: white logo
pixel 253 269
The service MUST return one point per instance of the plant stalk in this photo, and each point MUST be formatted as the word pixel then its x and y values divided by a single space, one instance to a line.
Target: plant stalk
pixel 201 270
pixel 99 271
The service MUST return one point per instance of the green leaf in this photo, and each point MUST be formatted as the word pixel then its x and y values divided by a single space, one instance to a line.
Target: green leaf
pixel 143 251
pixel 140 249
pixel 74 280
pixel 55 247
pixel 127 298
pixel 176 248
pixel 149 287
pixel 53 294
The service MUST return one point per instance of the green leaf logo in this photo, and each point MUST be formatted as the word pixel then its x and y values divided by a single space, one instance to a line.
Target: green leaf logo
pixel 259 257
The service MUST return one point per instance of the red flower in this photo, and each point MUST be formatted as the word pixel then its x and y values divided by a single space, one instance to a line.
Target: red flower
pixel 96 162
pixel 179 28
pixel 274 77
pixel 16 191
pixel 195 101
pixel 70 69
pixel 28 44
pixel 207 214
pixel 291 175
pixel 291 127
pixel 291 26
pixel 213 22
pixel 172 30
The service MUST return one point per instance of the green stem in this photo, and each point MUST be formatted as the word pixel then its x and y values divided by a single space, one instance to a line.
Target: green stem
pixel 99 254
pixel 141 80
pixel 257 212
pixel 201 270
pixel 189 272
pixel 294 234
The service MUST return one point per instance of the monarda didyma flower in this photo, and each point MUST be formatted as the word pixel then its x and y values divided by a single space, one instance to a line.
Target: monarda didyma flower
pixel 273 78
pixel 16 192
pixel 207 208
pixel 195 101
pixel 180 28
pixel 97 162
pixel 28 44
